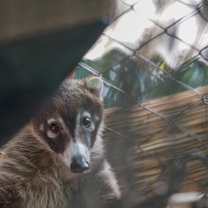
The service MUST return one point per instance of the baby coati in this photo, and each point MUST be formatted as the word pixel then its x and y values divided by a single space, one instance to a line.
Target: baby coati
pixel 53 156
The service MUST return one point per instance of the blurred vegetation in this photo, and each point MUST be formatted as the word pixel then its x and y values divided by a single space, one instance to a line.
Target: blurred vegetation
pixel 140 80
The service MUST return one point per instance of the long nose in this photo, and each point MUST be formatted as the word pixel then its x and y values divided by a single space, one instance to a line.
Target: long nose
pixel 79 164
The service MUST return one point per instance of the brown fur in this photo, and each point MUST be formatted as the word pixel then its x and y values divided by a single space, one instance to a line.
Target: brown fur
pixel 31 172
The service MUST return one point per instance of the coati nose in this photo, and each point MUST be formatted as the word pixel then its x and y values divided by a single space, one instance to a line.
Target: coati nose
pixel 79 164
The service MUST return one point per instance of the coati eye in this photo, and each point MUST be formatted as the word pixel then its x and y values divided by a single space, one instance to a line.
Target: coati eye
pixel 54 127
pixel 86 121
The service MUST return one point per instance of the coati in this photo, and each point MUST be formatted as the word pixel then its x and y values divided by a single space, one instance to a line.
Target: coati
pixel 54 154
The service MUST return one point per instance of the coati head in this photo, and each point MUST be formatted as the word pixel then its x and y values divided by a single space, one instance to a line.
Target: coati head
pixel 72 121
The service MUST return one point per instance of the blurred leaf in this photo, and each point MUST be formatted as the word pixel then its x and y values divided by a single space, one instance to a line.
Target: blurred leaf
pixel 137 79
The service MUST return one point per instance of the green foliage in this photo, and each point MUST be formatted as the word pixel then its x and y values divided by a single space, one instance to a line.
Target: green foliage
pixel 140 81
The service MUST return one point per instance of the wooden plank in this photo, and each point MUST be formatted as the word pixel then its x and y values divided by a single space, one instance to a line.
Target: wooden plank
pixel 26 18
pixel 167 149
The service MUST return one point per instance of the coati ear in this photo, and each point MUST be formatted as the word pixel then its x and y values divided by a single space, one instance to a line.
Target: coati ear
pixel 95 84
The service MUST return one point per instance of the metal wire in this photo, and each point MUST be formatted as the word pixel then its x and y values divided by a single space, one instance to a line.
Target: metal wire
pixel 172 123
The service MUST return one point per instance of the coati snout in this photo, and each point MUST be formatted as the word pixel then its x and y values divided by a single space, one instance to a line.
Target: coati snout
pixel 79 164
pixel 71 122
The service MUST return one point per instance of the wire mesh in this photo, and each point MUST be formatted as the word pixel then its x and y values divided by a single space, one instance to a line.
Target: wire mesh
pixel 154 67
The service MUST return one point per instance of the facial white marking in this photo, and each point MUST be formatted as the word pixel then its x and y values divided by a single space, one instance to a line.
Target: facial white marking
pixel 61 124
pixel 41 127
pixel 78 147
pixel 76 131
pixel 87 114
pixel 72 150
pixel 66 157
pixel 97 117
pixel 51 120
pixel 81 149
pixel 98 148
pixel 51 135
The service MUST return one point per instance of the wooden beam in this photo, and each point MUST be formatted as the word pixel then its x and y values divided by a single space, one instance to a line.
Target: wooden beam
pixel 26 18
pixel 164 151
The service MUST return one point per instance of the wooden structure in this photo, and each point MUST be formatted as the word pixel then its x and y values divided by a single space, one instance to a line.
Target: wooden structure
pixel 160 147
pixel 22 19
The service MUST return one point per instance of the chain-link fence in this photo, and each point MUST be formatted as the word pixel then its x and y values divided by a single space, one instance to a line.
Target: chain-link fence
pixel 153 61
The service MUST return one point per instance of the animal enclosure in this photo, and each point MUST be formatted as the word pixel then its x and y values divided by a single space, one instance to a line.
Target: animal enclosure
pixel 153 60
